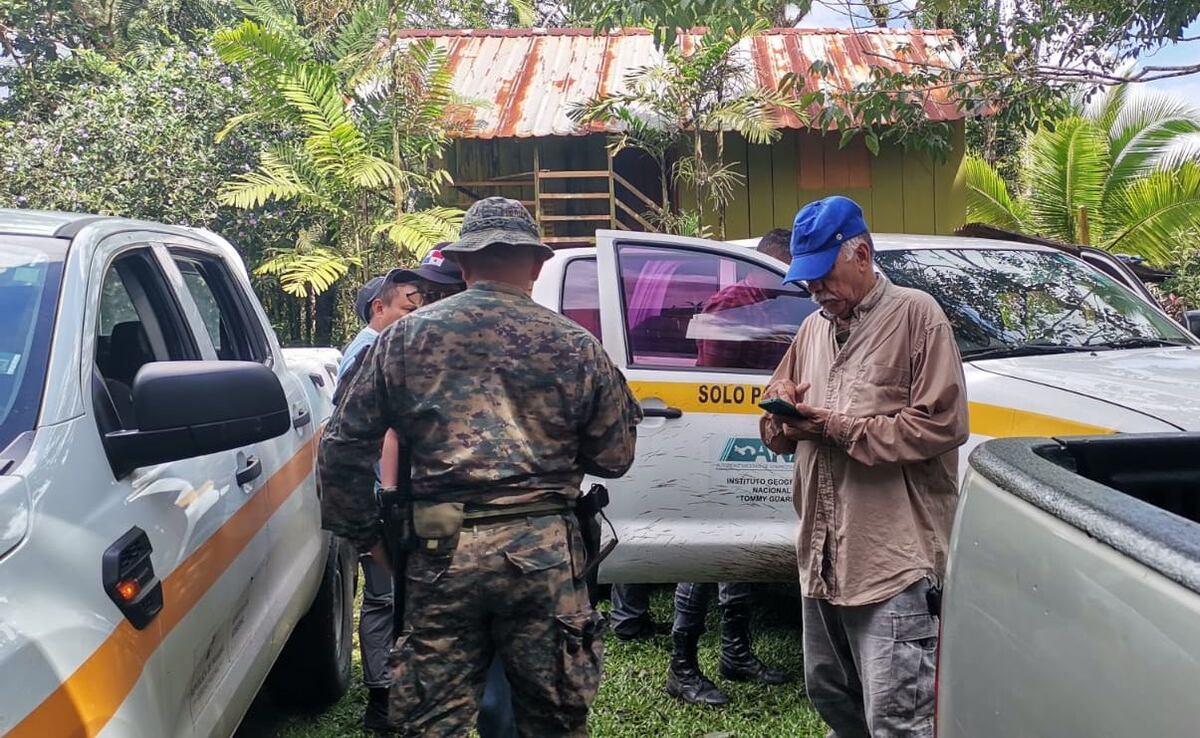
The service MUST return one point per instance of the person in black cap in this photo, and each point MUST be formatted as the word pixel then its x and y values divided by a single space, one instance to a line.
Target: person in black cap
pixel 381 302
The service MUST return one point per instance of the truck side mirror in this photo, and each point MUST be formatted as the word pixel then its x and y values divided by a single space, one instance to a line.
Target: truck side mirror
pixel 191 408
pixel 1192 319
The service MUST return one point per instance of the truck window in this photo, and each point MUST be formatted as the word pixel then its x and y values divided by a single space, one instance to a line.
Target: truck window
pixel 30 274
pixel 581 295
pixel 1008 299
pixel 234 334
pixel 686 308
pixel 139 322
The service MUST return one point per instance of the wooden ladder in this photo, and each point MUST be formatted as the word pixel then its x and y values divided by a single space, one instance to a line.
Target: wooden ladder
pixel 598 186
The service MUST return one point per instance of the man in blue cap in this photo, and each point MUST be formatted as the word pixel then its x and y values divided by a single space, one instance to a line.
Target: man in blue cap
pixel 881 409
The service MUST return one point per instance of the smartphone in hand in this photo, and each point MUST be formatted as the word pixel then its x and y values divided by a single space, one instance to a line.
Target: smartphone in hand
pixel 782 408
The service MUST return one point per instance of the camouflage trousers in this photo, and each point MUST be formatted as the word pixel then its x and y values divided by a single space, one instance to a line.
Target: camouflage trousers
pixel 508 589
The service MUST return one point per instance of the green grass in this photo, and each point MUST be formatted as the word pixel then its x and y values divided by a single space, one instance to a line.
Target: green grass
pixel 632 702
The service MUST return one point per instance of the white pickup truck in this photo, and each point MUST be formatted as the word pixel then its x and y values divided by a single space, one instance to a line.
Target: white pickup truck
pixel 1053 345
pixel 160 537
pixel 1073 591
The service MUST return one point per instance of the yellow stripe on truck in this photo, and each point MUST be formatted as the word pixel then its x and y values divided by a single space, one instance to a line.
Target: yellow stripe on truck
pixel 742 399
pixel 85 702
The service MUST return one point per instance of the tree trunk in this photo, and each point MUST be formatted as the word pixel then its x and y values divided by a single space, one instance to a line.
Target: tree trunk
pixel 698 154
pixel 720 203
pixel 326 302
pixel 308 319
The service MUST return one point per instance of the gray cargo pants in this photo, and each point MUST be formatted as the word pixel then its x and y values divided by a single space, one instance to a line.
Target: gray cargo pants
pixel 869 670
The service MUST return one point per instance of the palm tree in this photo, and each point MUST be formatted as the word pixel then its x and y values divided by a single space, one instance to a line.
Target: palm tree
pixel 1122 174
pixel 361 116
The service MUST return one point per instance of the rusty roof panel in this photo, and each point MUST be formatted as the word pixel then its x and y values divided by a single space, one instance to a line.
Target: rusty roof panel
pixel 523 82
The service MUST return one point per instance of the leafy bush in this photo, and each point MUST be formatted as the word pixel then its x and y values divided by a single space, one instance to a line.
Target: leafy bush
pixel 136 139
pixel 1185 284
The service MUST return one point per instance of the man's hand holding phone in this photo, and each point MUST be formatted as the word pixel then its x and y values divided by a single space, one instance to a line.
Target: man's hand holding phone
pixel 783 399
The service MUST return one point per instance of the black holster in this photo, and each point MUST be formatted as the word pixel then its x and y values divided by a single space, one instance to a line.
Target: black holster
pixel 589 509
pixel 395 515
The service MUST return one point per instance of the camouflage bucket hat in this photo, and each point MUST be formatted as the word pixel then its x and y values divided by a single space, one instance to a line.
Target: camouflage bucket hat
pixel 496 220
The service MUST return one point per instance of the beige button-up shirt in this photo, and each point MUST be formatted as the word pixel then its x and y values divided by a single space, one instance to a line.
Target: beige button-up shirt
pixel 876 497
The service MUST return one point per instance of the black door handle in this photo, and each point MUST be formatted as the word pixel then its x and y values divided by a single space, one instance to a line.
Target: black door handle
pixel 251 471
pixel 128 577
pixel 302 419
pixel 670 413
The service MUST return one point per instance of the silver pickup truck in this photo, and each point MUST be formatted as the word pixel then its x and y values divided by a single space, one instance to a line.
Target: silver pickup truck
pixel 1072 601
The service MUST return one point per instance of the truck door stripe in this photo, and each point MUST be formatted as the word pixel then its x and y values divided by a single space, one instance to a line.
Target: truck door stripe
pixel 85 702
pixel 995 421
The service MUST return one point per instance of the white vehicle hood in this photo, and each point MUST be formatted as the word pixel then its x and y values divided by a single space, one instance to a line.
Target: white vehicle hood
pixel 1162 383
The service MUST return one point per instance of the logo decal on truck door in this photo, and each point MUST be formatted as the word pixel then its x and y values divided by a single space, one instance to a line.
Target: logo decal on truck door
pixel 753 473
pixel 750 450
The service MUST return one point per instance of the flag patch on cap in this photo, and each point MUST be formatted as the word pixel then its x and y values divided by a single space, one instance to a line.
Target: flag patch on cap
pixel 435 257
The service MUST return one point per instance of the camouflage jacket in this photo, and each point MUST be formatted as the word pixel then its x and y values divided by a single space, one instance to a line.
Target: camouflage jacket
pixel 500 400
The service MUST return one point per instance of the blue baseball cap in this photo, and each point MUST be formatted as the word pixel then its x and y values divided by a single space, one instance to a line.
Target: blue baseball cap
pixel 818 232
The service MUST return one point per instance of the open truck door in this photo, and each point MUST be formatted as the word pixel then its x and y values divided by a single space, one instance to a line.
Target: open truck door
pixel 697 327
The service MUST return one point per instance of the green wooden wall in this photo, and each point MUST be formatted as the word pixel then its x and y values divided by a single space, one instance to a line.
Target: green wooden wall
pixel 900 192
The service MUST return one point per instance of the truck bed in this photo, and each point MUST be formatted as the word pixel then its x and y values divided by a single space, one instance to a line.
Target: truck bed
pixel 1073 590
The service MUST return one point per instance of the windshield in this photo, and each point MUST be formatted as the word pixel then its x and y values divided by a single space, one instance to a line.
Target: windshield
pixel 30 270
pixel 1003 302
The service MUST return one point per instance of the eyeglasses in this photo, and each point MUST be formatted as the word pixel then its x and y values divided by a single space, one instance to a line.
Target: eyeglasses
pixel 415 296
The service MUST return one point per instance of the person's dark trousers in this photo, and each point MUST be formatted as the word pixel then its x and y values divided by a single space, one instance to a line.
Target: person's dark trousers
pixel 685 680
pixel 691 603
pixel 630 615
pixel 869 670
pixel 375 624
pixel 496 718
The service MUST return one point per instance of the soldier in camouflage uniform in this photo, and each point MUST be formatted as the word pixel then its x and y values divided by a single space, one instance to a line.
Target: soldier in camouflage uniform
pixel 505 406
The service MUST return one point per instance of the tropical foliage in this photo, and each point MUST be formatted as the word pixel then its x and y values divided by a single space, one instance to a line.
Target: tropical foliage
pixel 679 109
pixel 361 114
pixel 1123 173
pixel 135 138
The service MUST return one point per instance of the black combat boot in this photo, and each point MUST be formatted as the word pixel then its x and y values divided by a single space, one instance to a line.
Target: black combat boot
pixel 375 719
pixel 684 678
pixel 738 661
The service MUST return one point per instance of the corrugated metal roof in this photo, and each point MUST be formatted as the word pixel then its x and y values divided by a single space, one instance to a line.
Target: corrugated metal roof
pixel 523 82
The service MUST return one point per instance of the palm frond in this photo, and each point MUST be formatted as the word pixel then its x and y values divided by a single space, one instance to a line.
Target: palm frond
pixel 1154 212
pixel 1185 148
pixel 234 122
pixel 258 45
pixel 747 115
pixel 263 55
pixel 1065 170
pixel 279 16
pixel 361 33
pixel 370 172
pixel 988 199
pixel 525 12
pixel 282 175
pixel 1104 108
pixel 334 142
pixel 303 272
pixel 416 233
pixel 1144 127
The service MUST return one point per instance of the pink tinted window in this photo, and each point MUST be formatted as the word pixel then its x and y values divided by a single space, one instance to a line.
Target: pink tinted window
pixel 581 295
pixel 687 308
